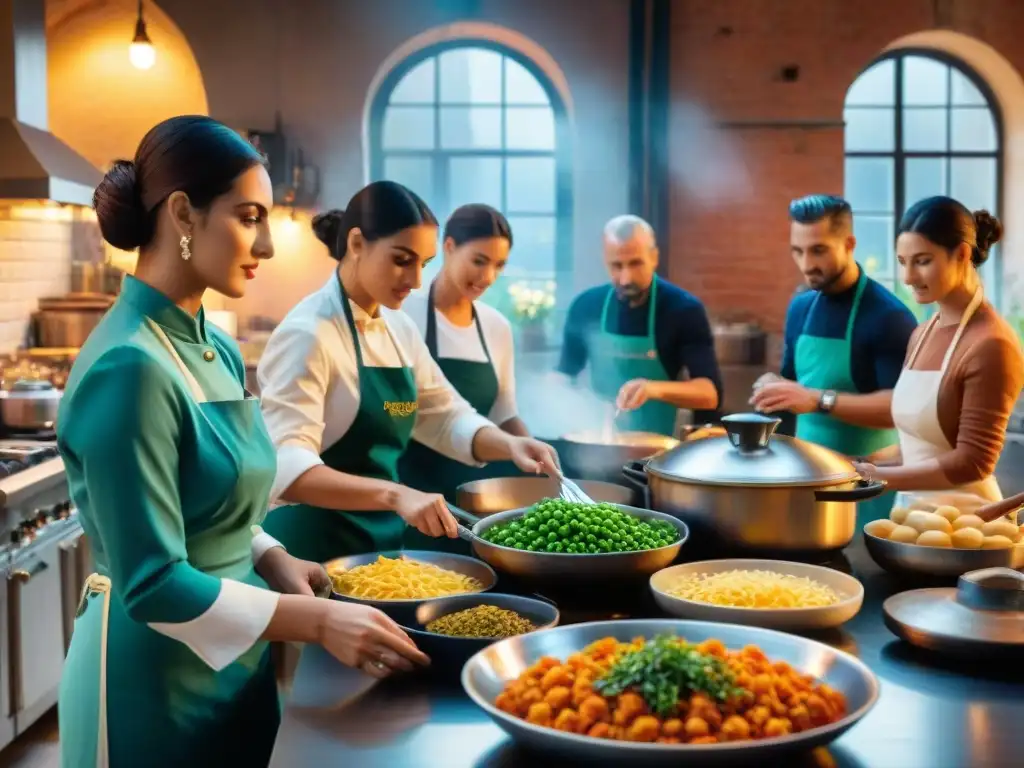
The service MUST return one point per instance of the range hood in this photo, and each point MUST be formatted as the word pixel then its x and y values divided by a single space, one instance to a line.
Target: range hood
pixel 34 164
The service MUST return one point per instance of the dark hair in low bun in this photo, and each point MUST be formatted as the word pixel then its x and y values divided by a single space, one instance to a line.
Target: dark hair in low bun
pixel 380 209
pixel 476 222
pixel 949 223
pixel 327 225
pixel 119 209
pixel 989 232
pixel 193 154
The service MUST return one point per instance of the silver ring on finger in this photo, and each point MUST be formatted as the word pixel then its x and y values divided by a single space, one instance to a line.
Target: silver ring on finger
pixel 380 666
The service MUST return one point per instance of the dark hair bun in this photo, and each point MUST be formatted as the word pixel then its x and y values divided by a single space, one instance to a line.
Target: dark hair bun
pixel 118 204
pixel 989 232
pixel 327 227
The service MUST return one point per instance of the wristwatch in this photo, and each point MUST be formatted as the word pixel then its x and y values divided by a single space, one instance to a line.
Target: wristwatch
pixel 827 401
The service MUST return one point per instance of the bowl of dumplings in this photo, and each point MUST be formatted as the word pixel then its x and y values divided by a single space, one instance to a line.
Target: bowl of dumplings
pixel 943 539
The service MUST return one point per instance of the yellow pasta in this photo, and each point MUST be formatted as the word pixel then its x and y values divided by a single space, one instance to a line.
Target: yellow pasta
pixel 400 579
pixel 752 589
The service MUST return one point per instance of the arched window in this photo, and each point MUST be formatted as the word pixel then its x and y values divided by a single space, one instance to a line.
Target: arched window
pixel 475 122
pixel 919 124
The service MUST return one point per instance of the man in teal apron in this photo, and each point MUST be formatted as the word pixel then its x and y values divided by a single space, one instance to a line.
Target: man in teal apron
pixel 371 447
pixel 640 335
pixel 427 470
pixel 847 334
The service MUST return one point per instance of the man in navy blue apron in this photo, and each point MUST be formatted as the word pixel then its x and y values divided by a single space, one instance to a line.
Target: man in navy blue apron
pixel 639 335
pixel 848 333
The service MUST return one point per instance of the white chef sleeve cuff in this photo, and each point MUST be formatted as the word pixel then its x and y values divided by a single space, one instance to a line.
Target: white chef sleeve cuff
pixel 293 461
pixel 228 628
pixel 261 543
pixel 464 429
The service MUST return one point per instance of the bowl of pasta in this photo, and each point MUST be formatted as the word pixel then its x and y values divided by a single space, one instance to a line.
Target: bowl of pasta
pixel 399 582
pixel 763 593
pixel 669 692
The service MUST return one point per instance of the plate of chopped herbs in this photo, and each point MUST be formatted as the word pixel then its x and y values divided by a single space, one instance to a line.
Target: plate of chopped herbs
pixel 657 691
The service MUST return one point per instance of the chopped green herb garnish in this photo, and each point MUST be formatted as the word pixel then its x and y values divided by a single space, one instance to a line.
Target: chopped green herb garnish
pixel 665 670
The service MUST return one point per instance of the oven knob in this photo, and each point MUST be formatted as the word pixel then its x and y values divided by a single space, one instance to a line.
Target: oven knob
pixel 27 530
pixel 43 516
pixel 60 511
pixel 16 537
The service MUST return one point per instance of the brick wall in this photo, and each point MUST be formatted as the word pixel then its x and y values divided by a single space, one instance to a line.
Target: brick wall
pixel 36 251
pixel 758 141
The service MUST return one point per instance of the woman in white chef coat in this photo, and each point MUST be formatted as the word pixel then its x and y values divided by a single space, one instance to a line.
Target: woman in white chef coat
pixel 472 344
pixel 346 382
pixel 964 369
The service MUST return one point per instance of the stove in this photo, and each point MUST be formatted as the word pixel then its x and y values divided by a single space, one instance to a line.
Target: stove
pixel 43 563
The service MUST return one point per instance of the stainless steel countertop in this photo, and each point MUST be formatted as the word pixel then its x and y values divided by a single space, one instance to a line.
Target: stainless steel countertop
pixel 933 712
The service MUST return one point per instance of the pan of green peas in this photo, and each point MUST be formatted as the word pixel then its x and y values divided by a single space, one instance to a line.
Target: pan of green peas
pixel 562 539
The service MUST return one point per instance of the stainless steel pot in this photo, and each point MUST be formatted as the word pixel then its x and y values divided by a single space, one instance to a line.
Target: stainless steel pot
pixel 756 491
pixel 601 455
pixel 67 322
pixel 30 406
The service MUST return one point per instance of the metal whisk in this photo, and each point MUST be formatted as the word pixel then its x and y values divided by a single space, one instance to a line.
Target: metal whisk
pixel 569 491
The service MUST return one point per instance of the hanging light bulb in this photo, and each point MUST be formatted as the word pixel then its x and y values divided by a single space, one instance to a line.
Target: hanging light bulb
pixel 141 52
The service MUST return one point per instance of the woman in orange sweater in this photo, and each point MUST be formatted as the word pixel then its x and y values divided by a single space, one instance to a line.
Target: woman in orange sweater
pixel 964 368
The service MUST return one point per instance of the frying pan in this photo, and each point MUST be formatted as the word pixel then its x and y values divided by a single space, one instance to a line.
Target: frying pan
pixel 565 565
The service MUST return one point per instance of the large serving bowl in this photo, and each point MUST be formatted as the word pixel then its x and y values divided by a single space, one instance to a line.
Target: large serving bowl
pixel 404 611
pixel 849 590
pixel 486 674
pixel 916 560
pixel 753 491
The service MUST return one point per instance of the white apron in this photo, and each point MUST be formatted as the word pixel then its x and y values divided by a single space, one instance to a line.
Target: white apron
pixel 915 411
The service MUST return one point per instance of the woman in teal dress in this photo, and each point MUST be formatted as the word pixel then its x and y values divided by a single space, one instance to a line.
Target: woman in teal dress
pixel 170 466
pixel 472 344
pixel 346 381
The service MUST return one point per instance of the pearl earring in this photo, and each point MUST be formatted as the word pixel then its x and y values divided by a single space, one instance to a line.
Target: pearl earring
pixel 186 251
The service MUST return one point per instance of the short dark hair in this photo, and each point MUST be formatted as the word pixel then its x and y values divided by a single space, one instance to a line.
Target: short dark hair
pixel 811 209
pixel 380 209
pixel 950 224
pixel 193 154
pixel 476 222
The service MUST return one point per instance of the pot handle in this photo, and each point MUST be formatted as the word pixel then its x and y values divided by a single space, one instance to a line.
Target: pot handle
pixel 634 472
pixel 865 489
pixel 461 514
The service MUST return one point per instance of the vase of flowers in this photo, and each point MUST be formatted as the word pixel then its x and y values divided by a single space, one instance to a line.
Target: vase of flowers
pixel 531 307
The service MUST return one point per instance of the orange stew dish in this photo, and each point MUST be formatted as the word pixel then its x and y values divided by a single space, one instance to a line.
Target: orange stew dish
pixel 668 691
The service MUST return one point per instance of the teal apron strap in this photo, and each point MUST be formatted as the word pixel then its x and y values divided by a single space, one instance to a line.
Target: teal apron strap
pixel 650 313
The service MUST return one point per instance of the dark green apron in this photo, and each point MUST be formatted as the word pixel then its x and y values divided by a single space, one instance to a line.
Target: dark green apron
pixel 615 359
pixel 372 446
pixel 823 363
pixel 427 470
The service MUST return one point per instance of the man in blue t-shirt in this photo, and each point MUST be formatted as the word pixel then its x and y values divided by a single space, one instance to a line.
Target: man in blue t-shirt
pixel 639 335
pixel 847 333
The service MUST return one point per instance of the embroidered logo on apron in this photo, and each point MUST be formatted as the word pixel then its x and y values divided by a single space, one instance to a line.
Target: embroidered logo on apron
pixel 398 409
